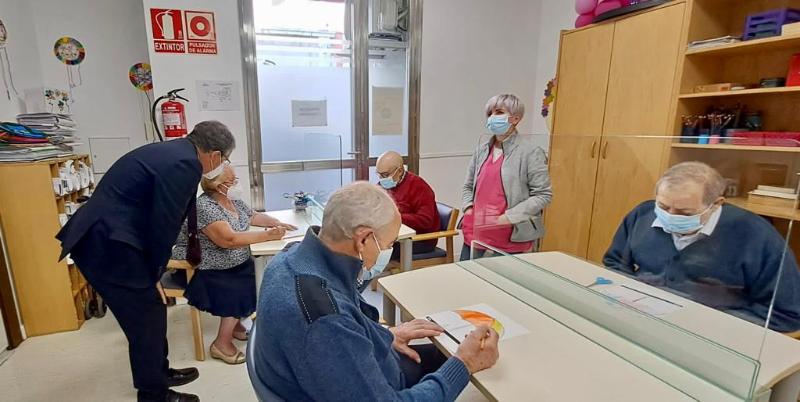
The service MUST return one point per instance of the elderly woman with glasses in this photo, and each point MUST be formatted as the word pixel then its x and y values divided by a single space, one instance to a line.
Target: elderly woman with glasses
pixel 507 186
pixel 225 282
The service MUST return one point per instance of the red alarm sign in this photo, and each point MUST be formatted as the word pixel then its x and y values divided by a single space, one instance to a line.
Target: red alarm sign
pixel 201 32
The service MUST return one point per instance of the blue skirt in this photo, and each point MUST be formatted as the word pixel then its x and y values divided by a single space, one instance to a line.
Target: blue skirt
pixel 224 292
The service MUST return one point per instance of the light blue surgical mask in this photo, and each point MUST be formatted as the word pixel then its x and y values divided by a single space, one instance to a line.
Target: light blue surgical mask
pixel 498 124
pixel 387 183
pixel 384 256
pixel 680 224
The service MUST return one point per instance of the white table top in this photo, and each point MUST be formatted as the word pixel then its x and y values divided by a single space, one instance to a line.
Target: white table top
pixel 556 363
pixel 551 363
pixel 299 219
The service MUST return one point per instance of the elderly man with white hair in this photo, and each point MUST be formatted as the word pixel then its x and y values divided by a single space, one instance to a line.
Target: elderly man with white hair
pixel 317 338
pixel 688 241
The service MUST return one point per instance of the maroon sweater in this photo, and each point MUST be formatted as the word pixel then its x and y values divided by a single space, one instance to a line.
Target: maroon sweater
pixel 417 204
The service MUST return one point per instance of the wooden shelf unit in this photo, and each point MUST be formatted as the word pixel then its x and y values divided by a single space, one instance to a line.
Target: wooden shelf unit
pixel 750 46
pixel 766 210
pixel 744 92
pixel 743 148
pixel 745 62
pixel 51 294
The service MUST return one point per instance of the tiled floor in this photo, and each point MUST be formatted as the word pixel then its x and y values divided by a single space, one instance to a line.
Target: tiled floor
pixel 92 365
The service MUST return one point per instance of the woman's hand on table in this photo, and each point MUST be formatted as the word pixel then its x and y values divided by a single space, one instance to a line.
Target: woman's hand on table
pixel 286 226
pixel 275 233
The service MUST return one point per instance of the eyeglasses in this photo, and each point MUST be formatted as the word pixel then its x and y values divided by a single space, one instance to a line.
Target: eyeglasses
pixel 384 175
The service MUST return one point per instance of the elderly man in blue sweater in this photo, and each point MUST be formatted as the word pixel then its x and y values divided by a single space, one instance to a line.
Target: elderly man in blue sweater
pixel 690 242
pixel 319 340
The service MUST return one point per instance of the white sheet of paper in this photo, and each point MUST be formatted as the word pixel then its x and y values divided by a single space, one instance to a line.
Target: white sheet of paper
pixel 459 328
pixel 299 232
pixel 309 113
pixel 218 95
pixel 639 300
pixel 387 111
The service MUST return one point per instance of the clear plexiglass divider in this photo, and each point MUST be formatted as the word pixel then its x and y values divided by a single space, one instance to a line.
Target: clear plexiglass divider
pixel 605 164
pixel 693 364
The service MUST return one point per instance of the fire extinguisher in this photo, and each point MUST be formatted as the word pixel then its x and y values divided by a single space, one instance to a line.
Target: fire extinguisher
pixel 173 115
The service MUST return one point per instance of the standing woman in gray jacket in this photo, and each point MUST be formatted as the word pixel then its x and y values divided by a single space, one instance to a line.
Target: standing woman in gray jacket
pixel 507 185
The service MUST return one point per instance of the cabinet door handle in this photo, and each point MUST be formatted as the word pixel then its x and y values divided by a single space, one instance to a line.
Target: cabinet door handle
pixel 594 148
pixel 605 149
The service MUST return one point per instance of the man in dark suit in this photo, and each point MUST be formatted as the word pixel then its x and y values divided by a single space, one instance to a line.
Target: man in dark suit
pixel 123 236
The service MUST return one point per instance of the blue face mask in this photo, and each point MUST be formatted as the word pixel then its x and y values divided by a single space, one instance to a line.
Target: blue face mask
pixel 498 124
pixel 384 256
pixel 680 224
pixel 388 183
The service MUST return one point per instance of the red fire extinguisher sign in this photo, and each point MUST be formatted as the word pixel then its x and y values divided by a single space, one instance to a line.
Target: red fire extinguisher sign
pixel 168 32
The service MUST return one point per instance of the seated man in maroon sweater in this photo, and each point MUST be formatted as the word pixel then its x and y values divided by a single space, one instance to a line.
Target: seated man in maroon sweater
pixel 414 198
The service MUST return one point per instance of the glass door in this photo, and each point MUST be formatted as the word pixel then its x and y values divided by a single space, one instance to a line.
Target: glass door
pixel 330 79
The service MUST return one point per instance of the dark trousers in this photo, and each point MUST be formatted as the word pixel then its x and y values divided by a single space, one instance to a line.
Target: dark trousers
pixel 416 248
pixel 431 358
pixel 139 312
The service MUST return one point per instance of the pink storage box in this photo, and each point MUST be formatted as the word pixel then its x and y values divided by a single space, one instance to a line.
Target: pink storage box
pixel 751 138
pixel 782 139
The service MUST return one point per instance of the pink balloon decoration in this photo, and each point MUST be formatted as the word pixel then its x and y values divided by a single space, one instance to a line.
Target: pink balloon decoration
pixel 585 6
pixel 584 19
pixel 607 6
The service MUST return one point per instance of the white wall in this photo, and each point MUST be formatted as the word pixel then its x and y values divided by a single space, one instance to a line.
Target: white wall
pixel 554 16
pixel 172 71
pixel 24 58
pixel 112 31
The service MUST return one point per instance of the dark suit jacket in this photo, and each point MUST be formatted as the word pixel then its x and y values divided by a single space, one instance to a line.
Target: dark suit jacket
pixel 141 201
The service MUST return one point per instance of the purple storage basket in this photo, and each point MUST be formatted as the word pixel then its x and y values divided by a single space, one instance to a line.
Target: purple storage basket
pixel 769 23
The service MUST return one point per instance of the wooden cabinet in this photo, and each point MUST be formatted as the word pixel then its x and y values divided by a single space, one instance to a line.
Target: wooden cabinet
pixel 51 294
pixel 642 74
pixel 585 61
pixel 614 158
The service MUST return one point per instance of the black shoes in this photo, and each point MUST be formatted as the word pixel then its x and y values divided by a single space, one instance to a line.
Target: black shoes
pixel 173 396
pixel 178 377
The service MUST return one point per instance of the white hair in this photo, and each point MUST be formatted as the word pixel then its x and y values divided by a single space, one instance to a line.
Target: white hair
pixel 509 102
pixel 356 205
pixel 698 172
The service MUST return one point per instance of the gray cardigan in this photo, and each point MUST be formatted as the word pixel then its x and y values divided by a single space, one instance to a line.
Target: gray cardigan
pixel 526 183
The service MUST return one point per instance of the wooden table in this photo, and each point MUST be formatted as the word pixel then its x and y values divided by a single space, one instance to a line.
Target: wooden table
pixel 562 359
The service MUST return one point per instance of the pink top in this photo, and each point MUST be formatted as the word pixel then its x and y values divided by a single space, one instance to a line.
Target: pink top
pixel 489 205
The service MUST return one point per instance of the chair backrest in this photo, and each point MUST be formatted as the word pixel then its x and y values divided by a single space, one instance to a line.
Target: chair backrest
pixel 263 393
pixel 447 216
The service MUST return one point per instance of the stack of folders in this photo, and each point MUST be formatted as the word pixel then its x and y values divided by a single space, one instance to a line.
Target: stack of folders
pixel 773 196
pixel 714 42
pixel 59 127
pixel 29 153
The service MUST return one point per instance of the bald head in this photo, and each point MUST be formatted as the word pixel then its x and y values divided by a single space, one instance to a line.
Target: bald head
pixel 388 162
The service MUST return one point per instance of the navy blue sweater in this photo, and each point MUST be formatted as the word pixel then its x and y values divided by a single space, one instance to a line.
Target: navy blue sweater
pixel 318 340
pixel 734 270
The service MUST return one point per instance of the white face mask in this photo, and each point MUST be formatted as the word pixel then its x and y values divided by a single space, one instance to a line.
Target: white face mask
pixel 233 192
pixel 214 173
pixel 384 256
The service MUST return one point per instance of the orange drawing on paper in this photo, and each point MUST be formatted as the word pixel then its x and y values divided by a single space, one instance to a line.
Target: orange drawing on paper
pixel 478 318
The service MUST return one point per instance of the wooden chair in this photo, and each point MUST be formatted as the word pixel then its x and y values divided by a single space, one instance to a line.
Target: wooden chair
pixel 448 217
pixel 175 288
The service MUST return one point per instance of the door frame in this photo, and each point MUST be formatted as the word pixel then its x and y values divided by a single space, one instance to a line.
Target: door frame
pixel 359 160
